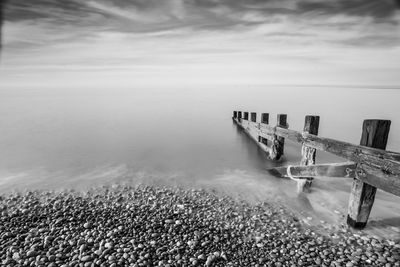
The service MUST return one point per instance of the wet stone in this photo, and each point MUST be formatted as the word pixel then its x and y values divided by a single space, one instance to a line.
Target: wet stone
pixel 163 226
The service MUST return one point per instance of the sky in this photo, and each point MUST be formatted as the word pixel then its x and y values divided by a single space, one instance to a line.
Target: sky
pixel 200 42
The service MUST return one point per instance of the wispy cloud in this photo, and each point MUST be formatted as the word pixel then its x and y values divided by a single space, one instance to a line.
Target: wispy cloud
pixel 2 3
pixel 313 40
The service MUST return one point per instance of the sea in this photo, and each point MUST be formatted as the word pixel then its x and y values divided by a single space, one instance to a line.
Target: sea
pixel 77 138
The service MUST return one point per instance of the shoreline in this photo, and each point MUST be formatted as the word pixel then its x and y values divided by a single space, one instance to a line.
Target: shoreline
pixel 144 225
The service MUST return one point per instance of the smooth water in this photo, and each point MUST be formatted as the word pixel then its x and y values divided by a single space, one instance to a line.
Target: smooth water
pixel 62 137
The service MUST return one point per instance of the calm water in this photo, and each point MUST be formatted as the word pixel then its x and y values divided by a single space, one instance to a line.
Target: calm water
pixel 62 138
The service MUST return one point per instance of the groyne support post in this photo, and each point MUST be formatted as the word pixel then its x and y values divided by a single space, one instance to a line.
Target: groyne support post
pixel 278 142
pixel 265 120
pixel 308 154
pixel 253 117
pixel 374 134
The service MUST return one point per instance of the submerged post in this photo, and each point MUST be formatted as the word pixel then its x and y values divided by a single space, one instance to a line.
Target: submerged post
pixel 246 116
pixel 278 142
pixel 374 134
pixel 253 116
pixel 308 154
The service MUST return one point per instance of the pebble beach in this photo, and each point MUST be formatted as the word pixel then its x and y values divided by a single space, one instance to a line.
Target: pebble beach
pixel 143 225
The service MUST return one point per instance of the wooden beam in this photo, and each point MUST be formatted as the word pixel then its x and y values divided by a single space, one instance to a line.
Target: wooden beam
pixel 278 142
pixel 337 170
pixel 308 154
pixel 375 134
pixel 246 116
pixel 378 167
pixel 384 163
pixel 235 114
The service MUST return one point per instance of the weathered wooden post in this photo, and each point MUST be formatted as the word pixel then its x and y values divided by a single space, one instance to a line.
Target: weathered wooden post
pixel 278 142
pixel 246 116
pixel 235 114
pixel 265 120
pixel 374 134
pixel 253 116
pixel 308 154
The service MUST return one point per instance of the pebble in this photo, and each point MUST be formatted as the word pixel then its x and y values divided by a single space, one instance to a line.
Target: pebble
pixel 86 258
pixel 87 225
pixel 143 226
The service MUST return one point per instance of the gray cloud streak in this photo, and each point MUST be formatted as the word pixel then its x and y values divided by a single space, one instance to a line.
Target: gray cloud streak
pixel 2 3
pixel 64 10
pixel 80 18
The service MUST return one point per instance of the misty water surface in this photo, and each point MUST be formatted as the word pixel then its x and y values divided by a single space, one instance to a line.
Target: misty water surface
pixel 56 138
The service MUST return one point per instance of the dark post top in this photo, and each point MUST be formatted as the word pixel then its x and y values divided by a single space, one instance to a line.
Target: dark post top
pixel 375 133
pixel 253 116
pixel 265 118
pixel 311 124
pixel 281 120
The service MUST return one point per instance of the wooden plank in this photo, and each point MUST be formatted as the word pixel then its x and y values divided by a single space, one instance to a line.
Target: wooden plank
pixel 337 170
pixel 375 134
pixel 235 114
pixel 249 128
pixel 239 114
pixel 246 116
pixel 386 162
pixel 374 162
pixel 372 176
pixel 278 142
pixel 308 154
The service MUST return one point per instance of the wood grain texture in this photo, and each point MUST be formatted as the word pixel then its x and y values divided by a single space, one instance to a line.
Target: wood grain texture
pixel 252 130
pixel 383 163
pixel 380 168
pixel 308 154
pixel 278 142
pixel 336 170
pixel 375 134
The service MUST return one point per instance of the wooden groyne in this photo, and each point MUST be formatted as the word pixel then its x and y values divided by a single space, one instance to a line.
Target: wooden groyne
pixel 368 164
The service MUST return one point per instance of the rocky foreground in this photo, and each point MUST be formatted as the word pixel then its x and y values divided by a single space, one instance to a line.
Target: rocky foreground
pixel 150 226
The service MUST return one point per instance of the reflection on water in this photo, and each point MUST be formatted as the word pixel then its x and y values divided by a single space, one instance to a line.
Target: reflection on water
pixel 78 138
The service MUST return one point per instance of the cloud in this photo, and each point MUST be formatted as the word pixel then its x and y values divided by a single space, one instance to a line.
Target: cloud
pixel 2 3
pixel 382 9
pixel 323 18
pixel 218 37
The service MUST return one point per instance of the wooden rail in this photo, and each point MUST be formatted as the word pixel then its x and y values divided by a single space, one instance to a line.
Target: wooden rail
pixel 368 164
